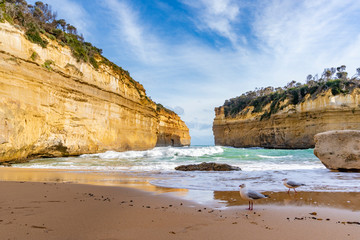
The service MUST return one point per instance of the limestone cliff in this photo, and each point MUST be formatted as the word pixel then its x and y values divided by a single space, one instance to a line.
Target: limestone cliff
pixel 293 126
pixel 53 105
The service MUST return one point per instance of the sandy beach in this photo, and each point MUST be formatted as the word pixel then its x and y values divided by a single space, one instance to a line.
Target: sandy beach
pixel 62 210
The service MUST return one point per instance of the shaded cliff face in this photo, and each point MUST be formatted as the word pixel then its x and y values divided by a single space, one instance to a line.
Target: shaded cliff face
pixel 52 105
pixel 292 127
pixel 171 130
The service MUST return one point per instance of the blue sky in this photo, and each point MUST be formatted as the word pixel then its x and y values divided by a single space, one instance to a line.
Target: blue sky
pixel 192 55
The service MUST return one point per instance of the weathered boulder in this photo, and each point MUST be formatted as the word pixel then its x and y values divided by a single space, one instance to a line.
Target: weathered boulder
pixel 339 150
pixel 207 167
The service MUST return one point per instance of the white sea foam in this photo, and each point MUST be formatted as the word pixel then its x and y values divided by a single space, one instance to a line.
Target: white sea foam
pixel 280 167
pixel 320 180
pixel 261 168
pixel 167 152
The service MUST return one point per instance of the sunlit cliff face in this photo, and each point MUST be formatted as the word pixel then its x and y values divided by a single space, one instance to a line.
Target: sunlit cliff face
pixel 292 127
pixel 53 105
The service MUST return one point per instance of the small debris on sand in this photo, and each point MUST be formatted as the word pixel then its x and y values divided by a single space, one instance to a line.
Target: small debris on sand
pixel 357 223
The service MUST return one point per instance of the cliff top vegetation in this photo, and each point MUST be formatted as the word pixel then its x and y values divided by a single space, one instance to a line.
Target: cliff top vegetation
pixel 334 79
pixel 39 20
pixel 40 24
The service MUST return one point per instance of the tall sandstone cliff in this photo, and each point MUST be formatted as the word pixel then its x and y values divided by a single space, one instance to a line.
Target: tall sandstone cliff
pixel 293 127
pixel 52 105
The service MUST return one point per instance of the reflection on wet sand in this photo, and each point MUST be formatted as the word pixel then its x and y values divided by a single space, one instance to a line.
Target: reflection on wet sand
pixel 346 200
pixel 83 177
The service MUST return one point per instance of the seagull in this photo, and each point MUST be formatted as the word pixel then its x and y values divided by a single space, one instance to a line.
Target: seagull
pixel 291 184
pixel 250 195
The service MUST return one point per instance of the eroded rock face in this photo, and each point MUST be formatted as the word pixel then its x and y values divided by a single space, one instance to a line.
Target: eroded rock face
pixel 69 108
pixel 207 167
pixel 339 150
pixel 293 127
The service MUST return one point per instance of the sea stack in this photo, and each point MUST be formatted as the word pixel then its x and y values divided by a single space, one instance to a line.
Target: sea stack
pixel 53 104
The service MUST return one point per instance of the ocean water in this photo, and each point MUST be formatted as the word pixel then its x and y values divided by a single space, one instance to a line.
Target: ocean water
pixel 262 169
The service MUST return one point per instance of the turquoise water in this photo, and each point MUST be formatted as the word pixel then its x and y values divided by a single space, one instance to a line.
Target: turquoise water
pixel 262 169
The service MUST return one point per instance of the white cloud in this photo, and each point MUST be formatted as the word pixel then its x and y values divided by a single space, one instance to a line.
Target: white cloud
pixel 306 35
pixel 129 28
pixel 216 15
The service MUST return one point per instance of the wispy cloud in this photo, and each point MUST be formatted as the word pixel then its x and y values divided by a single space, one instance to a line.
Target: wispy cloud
pixel 305 37
pixel 134 32
pixel 218 16
pixel 289 26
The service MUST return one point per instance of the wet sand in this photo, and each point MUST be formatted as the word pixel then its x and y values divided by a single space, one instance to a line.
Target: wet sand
pixel 341 200
pixel 63 210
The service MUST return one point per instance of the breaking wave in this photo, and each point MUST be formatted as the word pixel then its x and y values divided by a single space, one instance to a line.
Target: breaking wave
pixel 160 152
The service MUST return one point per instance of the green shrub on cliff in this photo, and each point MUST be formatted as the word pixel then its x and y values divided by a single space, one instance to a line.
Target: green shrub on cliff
pixel 337 86
pixel 47 64
pixel 160 107
pixel 294 92
pixel 33 34
pixel 39 20
pixel 34 56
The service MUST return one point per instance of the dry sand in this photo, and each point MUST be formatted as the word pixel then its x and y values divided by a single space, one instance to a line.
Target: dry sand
pixel 33 210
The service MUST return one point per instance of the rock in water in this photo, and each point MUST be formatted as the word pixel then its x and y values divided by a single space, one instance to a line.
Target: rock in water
pixel 207 167
pixel 339 150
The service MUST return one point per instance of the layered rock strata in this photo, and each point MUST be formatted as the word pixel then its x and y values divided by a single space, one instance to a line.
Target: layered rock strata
pixel 339 150
pixel 293 127
pixel 52 105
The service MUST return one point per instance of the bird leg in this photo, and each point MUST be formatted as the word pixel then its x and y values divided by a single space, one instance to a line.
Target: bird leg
pixel 252 205
pixel 249 206
pixel 289 191
pixel 295 190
